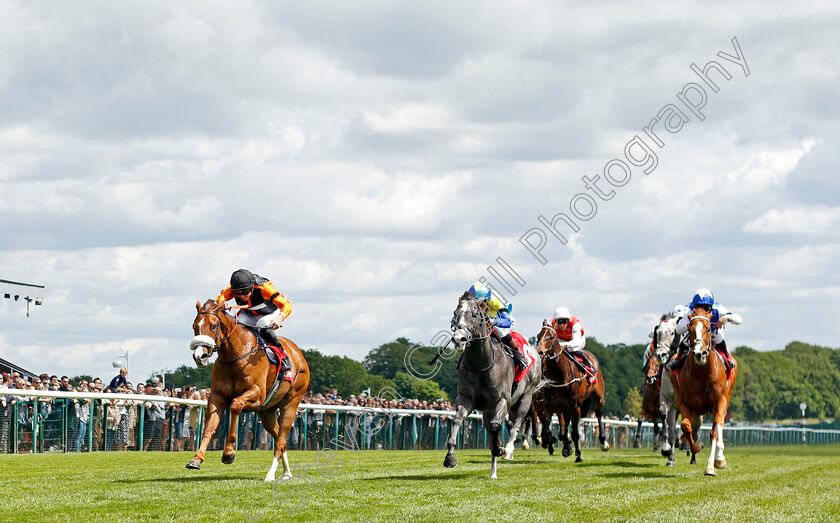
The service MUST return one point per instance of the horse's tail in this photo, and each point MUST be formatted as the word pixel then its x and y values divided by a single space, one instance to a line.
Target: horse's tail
pixel 542 383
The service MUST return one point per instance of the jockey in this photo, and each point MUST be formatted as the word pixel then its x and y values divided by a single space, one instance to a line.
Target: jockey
pixel 720 316
pixel 263 307
pixel 501 320
pixel 570 333
pixel 677 312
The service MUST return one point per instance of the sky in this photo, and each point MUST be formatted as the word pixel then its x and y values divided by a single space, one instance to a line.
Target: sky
pixel 373 159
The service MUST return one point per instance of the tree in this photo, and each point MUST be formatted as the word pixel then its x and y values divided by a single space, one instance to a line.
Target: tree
pixel 633 403
pixel 189 375
pixel 75 380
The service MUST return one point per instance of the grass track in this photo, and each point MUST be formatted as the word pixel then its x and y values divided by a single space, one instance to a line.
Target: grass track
pixel 760 484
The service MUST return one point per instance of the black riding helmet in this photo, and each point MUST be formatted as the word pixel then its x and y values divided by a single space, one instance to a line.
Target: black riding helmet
pixel 242 280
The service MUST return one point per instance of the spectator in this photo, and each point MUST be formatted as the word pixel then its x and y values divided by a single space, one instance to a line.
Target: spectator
pixel 119 380
pixel 83 415
pixel 155 414
pixel 179 414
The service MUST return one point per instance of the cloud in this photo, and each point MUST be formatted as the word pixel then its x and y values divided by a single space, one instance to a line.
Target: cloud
pixel 820 220
pixel 373 160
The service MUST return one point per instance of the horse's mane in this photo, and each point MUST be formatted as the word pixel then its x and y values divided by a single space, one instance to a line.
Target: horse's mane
pixel 469 295
pixel 667 316
pixel 211 304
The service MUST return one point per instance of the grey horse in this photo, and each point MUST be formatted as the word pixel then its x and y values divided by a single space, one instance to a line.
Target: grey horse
pixel 666 343
pixel 485 381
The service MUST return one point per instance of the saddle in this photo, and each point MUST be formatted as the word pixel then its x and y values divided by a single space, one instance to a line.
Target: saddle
pixel 592 376
pixel 275 354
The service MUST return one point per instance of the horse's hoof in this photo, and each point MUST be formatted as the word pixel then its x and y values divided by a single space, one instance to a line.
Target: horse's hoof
pixel 227 459
pixel 566 453
pixel 551 450
pixel 637 444
pixel 719 464
pixel 579 460
pixel 525 445
pixel 493 476
pixel 669 464
pixel 450 461
pixel 655 448
pixel 287 476
pixel 711 471
pixel 508 456
pixel 605 446
pixel 194 464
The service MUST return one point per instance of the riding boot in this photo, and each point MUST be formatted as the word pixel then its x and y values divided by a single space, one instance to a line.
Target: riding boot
pixel 590 369
pixel 683 350
pixel 515 353
pixel 727 356
pixel 270 336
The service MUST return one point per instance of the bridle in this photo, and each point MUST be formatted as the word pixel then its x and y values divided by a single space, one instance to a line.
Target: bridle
pixel 484 318
pixel 554 354
pixel 216 339
pixel 708 346
pixel 482 315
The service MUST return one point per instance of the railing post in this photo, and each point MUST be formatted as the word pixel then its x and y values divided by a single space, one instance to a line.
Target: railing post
pixel 305 426
pixel 15 426
pixel 35 426
pixel 199 426
pixel 141 421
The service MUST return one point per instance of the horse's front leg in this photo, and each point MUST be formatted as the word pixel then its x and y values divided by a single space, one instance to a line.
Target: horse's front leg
pixel 687 429
pixel 215 407
pixel 517 414
pixel 250 399
pixel 716 457
pixel 463 407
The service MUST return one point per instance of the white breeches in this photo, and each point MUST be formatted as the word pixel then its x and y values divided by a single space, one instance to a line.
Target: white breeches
pixel 260 322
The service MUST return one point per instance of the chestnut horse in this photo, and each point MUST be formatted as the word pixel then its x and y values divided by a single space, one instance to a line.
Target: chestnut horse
pixel 701 388
pixel 650 401
pixel 242 377
pixel 568 394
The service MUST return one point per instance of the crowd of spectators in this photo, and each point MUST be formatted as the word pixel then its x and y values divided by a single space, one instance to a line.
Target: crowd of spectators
pixel 115 425
pixel 115 421
pixel 364 400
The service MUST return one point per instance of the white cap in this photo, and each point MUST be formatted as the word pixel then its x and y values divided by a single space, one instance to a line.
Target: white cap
pixel 680 311
pixel 562 313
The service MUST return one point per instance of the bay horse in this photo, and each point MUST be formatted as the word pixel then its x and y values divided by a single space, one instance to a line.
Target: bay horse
pixel 702 387
pixel 486 382
pixel 568 393
pixel 650 401
pixel 241 380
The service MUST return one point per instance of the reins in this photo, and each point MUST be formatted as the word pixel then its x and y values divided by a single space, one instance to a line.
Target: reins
pixel 556 355
pixel 230 331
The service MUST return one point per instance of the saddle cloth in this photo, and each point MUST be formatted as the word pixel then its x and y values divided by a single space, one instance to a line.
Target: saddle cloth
pixel 522 343
pixel 275 354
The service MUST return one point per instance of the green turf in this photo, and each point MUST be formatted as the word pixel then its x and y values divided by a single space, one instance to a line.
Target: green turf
pixel 760 484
